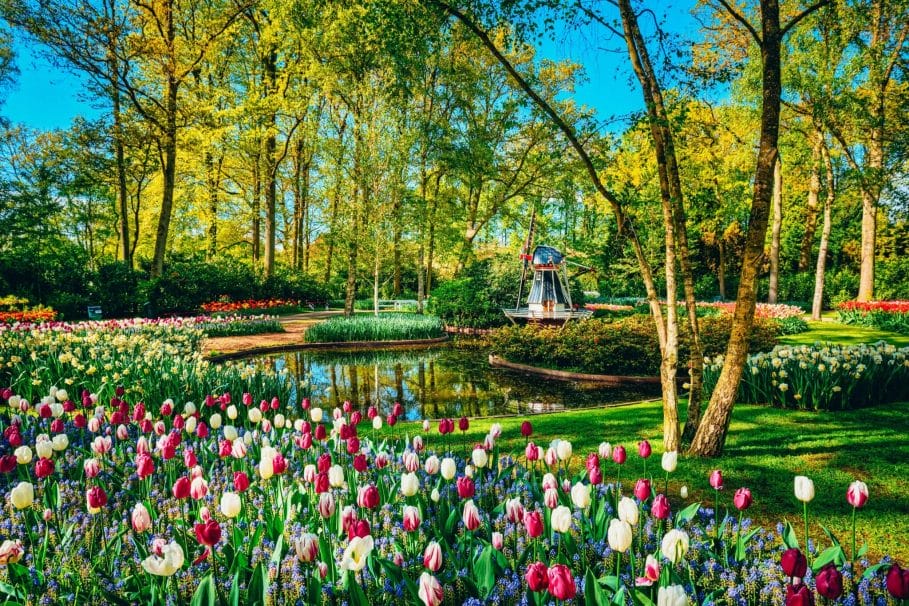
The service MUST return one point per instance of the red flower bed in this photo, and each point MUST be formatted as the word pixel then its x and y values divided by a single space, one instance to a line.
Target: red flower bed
pixel 34 316
pixel 892 307
pixel 249 304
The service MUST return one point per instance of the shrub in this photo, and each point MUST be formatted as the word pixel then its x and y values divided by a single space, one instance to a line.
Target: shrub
pixel 238 326
pixel 624 347
pixel 115 288
pixel 476 299
pixel 883 315
pixel 385 327
pixel 792 326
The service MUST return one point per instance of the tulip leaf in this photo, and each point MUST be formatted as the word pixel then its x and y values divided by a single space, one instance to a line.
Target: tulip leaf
pixel 862 550
pixel 234 598
pixel 484 571
pixel 452 520
pixel 872 570
pixel 593 593
pixel 687 514
pixel 11 591
pixel 357 597
pixel 834 553
pixel 278 554
pixel 790 539
pixel 742 543
pixel 830 536
pixel 205 592
pixel 258 586
pixel 619 597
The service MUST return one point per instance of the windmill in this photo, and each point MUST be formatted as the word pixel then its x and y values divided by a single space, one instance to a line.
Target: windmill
pixel 549 299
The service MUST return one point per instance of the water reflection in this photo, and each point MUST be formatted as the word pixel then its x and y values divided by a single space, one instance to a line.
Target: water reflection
pixel 439 382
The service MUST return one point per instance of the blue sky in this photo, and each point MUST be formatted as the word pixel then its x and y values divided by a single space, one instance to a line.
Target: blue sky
pixel 45 97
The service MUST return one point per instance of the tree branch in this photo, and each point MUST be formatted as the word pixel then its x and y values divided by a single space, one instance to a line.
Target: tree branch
pixel 802 15
pixel 738 17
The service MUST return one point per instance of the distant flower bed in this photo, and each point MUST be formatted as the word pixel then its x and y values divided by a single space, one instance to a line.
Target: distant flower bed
pixel 250 305
pixel 776 311
pixel 384 327
pixel 883 315
pixel 238 326
pixel 608 307
pixel 822 377
pixel 30 316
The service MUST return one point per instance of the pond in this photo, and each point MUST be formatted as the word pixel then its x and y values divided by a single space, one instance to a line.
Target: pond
pixel 447 381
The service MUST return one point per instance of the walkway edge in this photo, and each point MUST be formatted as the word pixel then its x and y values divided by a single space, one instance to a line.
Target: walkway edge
pixel 614 380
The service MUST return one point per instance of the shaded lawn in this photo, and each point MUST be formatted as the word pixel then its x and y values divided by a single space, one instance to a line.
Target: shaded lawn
pixel 766 448
pixel 848 334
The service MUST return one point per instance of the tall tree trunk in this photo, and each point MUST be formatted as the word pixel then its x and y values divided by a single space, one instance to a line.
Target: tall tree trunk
pixel 818 303
pixel 271 169
pixel 169 169
pixel 396 243
pixel 120 159
pixel 814 191
pixel 711 435
pixel 721 267
pixel 213 175
pixel 774 286
pixel 257 208
pixel 359 203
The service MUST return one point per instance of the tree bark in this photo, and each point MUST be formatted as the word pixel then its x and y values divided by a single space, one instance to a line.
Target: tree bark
pixel 721 267
pixel 711 435
pixel 271 178
pixel 814 191
pixel 169 169
pixel 818 302
pixel 213 175
pixel 120 158
pixel 774 286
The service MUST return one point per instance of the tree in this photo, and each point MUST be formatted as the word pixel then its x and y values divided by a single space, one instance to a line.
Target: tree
pixel 711 435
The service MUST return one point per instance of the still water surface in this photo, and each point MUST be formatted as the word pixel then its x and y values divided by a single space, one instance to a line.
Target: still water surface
pixel 447 381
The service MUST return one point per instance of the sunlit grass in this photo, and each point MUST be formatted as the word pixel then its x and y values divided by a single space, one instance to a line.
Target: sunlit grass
pixel 835 332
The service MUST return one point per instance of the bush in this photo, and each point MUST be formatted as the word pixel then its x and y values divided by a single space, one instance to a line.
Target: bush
pixel 384 327
pixel 792 326
pixel 115 288
pixel 236 326
pixel 477 298
pixel 623 347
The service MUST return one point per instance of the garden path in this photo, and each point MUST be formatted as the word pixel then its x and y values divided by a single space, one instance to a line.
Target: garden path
pixel 295 326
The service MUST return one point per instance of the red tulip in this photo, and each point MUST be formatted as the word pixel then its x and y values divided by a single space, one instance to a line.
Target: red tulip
pixel 358 528
pixel 7 463
pixel 44 467
pixel 80 421
pixel 360 463
pixel 371 412
pixel 275 403
pixel 323 463
pixel 181 488
pixel 368 497
pixel 660 507
pixel 595 476
pixel 742 499
pixel 356 418
pixel 794 563
pixel 247 399
pixel 592 462
pixel 642 489
pixel 208 533
pixel 531 452
pixel 533 522
pixel 644 449
pixel 561 583
pixel 397 410
pixel 353 445
pixel 225 447
pixel 321 483
pixel 857 494
pixel 537 577
pixel 96 497
pixel 526 429
pixel 829 582
pixel 320 432
pixel 241 481
pixel 392 420
pixel 145 465
pixel 799 595
pixel 305 404
pixel 464 424
pixel 466 487
pixel 189 458
pixel 57 426
pixel 179 422
pixel 898 582
pixel 716 479
pixel 618 454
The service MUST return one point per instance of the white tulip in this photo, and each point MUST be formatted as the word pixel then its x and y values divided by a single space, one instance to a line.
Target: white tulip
pixel 214 421
pixel 628 511
pixel 377 422
pixel 674 595
pixel 683 492
pixel 60 442
pixel 315 415
pixel 357 551
pixel 619 535
pixel 563 450
pixel 448 468
pixel 480 458
pixel 561 519
pixel 23 495
pixel 410 484
pixel 336 476
pixel 23 455
pixel 675 545
pixel 605 450
pixel 167 565
pixel 44 450
pixel 230 504
pixel 670 461
pixel 580 495
pixel 804 489
pixel 254 415
pixel 231 412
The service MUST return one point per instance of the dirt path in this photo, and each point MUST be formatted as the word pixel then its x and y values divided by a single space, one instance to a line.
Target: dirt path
pixel 294 325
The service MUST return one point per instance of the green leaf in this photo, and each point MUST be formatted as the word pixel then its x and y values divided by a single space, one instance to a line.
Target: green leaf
pixel 834 553
pixel 258 586
pixel 484 572
pixel 357 597
pixel 687 514
pixel 790 539
pixel 830 536
pixel 862 550
pixel 872 570
pixel 205 592
pixel 234 598
pixel 593 593
pixel 742 543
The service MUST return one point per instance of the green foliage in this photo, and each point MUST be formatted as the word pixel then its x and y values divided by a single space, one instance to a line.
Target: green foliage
pixel 623 347
pixel 115 287
pixel 881 320
pixel 384 327
pixel 792 326
pixel 476 299
pixel 238 326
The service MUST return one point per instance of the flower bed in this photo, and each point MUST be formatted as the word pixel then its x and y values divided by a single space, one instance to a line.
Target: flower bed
pixel 30 316
pixel 237 326
pixel 232 502
pixel 153 359
pixel 384 327
pixel 883 315
pixel 251 306
pixel 822 377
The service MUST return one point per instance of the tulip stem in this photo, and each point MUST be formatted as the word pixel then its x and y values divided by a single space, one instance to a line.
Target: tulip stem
pixel 853 533
pixel 716 514
pixel 807 551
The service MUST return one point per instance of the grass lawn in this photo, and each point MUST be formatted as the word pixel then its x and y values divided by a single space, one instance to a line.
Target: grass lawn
pixel 766 448
pixel 848 334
